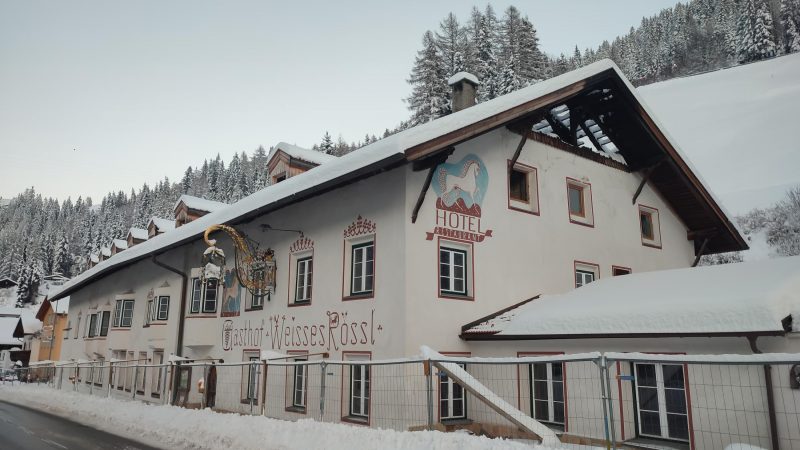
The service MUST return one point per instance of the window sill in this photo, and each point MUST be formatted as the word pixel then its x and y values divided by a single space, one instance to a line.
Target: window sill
pixel 357 420
pixel 516 205
pixel 121 329
pixel 155 395
pixel 455 296
pixel 581 221
pixel 300 303
pixel 296 409
pixel 651 244
pixel 201 316
pixel 363 296
pixel 255 308
pixel 456 421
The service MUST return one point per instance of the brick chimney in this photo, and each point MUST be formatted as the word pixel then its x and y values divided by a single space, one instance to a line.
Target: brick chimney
pixel 464 86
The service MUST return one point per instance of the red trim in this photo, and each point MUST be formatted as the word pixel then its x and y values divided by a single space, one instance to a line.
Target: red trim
pixel 585 263
pixel 585 185
pixel 345 416
pixel 613 268
pixel 471 292
pixel 638 217
pixel 564 374
pixel 438 398
pixel 292 288
pixel 528 169
pixel 346 282
pixel 288 405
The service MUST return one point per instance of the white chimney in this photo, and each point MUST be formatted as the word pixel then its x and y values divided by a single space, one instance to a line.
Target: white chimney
pixel 464 86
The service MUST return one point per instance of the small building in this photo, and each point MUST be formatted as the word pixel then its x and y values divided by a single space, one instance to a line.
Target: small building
pixel 93 260
pixel 157 226
pixel 46 346
pixel 105 253
pixel 7 283
pixel 136 236
pixel 287 160
pixel 189 208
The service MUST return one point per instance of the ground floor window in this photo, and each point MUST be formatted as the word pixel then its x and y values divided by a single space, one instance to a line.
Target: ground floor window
pixel 359 391
pixel 661 401
pixel 452 398
pixel 547 392
pixel 156 374
pixel 251 377
pixel 299 385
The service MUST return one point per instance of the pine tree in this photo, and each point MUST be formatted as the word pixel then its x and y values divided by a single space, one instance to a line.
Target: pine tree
pixel 234 190
pixel 790 10
pixel 509 82
pixel 186 182
pixel 63 258
pixel 326 146
pixel 451 40
pixel 754 32
pixel 429 96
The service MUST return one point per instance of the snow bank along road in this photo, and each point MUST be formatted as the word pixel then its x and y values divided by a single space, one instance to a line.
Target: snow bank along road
pixel 172 427
pixel 28 429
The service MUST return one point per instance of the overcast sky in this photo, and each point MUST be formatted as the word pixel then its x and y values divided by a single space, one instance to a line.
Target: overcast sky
pixel 98 96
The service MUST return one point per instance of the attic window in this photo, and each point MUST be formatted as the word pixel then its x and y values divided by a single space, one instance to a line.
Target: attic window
pixel 523 189
pixel 518 185
pixel 649 226
pixel 579 202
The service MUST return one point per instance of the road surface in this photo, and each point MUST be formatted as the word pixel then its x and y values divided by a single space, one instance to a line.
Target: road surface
pixel 29 429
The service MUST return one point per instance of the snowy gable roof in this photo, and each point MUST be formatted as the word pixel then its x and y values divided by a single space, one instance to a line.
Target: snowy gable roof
pixel 27 317
pixel 371 159
pixel 751 297
pixel 162 225
pixel 200 204
pixel 105 251
pixel 10 330
pixel 303 154
pixel 138 233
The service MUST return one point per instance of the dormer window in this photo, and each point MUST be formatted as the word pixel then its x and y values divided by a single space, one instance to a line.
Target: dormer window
pixel 278 178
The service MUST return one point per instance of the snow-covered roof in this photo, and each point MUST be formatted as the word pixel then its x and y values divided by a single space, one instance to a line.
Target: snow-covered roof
pixel 303 154
pixel 8 280
pixel 8 327
pixel 105 251
pixel 59 307
pixel 30 323
pixel 162 224
pixel 463 76
pixel 200 204
pixel 751 297
pixel 368 160
pixel 138 233
pixel 121 244
pixel 94 258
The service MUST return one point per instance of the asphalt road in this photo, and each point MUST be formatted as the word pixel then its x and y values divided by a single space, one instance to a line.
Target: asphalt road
pixel 29 429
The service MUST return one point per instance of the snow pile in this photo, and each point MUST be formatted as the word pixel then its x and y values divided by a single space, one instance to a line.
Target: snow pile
pixel 742 297
pixel 736 125
pixel 172 427
pixel 300 153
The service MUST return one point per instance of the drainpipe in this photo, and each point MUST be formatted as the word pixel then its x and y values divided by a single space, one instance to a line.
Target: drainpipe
pixel 773 424
pixel 181 318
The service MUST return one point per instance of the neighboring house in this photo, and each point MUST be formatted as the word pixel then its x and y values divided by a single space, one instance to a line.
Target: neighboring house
pixel 28 324
pixel 118 245
pixel 404 241
pixel 287 160
pixel 157 226
pixel 189 208
pixel 105 253
pixel 7 283
pixel 11 332
pixel 53 316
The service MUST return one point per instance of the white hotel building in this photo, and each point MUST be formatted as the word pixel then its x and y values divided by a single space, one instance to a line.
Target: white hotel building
pixel 409 240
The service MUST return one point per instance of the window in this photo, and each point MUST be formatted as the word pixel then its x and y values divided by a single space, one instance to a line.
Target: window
pixel 150 313
pixel 585 273
pixel 250 378
pixel 579 202
pixel 452 271
pixel 77 327
pixel 523 190
pixel 129 371
pixel 162 311
pixel 142 372
pixel 105 317
pixel 256 301
pixel 362 269
pixel 547 392
pixel 66 330
pixel 123 313
pixel 196 295
pixel 359 391
pixel 210 297
pixel 305 269
pixel 299 385
pixel 452 398
pixel 661 401
pixel 92 331
pixel 649 226
pixel 156 374
pixel 204 296
pixel 617 271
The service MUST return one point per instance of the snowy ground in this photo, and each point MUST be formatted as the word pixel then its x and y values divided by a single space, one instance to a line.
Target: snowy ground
pixel 172 427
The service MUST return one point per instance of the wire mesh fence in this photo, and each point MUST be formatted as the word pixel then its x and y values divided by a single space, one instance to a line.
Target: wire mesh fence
pixel 613 399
